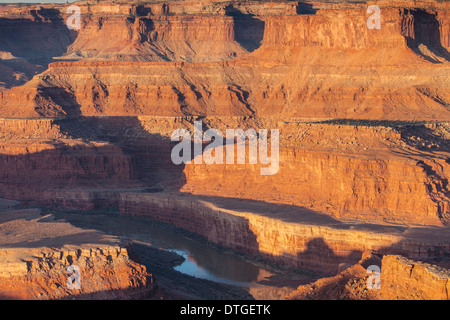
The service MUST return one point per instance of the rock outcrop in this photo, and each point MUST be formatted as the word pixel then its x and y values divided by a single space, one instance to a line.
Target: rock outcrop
pixel 374 184
pixel 400 279
pixel 405 279
pixel 326 64
pixel 38 250
pixel 106 273
pixel 372 171
pixel 87 117
pixel 289 235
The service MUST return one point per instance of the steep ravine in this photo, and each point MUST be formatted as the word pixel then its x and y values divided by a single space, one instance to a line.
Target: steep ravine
pixel 87 117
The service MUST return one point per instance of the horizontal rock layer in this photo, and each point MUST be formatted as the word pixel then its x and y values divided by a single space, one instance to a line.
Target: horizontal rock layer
pixel 366 188
pixel 405 279
pixel 326 64
pixel 369 172
pixel 250 64
pixel 37 250
pixel 399 279
pixel 292 236
pixel 106 273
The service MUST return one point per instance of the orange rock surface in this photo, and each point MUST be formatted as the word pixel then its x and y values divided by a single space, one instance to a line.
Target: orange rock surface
pixel 342 69
pixel 289 235
pixel 37 250
pixel 87 116
pixel 400 279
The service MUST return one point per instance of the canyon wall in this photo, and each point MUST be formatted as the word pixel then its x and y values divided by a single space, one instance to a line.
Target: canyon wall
pixel 383 190
pixel 288 235
pixel 163 38
pixel 346 28
pixel 400 279
pixel 360 167
pixel 87 117
pixel 40 155
pixel 37 250
pixel 106 273
pixel 405 279
pixel 324 64
pixel 333 169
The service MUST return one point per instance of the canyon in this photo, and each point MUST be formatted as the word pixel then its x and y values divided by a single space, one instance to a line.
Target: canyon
pixel 87 117
pixel 401 279
pixel 37 251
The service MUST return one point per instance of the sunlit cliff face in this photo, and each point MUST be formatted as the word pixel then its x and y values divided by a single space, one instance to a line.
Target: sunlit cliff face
pixel 91 99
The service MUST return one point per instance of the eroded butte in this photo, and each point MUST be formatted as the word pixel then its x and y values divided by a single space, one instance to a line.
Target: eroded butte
pixel 363 117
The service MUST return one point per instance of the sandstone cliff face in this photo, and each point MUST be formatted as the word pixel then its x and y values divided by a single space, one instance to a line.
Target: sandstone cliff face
pixel 401 279
pixel 405 279
pixel 106 273
pixel 37 251
pixel 335 29
pixel 288 235
pixel 87 117
pixel 371 184
pixel 319 65
pixel 337 70
pixel 163 38
pixel 41 155
pixel 346 28
pixel 50 167
pixel 371 173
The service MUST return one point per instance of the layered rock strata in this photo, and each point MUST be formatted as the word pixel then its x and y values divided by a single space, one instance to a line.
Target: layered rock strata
pixel 87 120
pixel 325 64
pixel 289 235
pixel 377 172
pixel 37 252
pixel 400 279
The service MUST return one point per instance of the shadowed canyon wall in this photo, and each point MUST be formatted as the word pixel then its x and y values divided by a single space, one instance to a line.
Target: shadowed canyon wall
pixel 363 169
pixel 87 119
pixel 107 273
pixel 289 235
pixel 37 251
pixel 400 279
pixel 303 63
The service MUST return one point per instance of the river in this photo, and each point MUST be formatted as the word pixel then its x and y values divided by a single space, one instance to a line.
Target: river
pixel 201 260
